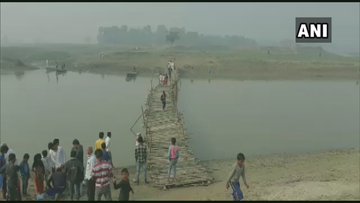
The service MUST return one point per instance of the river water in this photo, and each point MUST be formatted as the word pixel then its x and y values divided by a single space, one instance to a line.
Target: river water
pixel 223 117
pixel 38 107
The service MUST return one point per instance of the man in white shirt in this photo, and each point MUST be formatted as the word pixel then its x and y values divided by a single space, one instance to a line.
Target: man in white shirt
pixel 52 154
pixel 60 153
pixel 107 143
pixel 90 183
pixel 48 164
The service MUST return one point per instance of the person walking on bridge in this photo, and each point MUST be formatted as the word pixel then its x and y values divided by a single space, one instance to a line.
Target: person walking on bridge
pixel 169 72
pixel 173 156
pixel 163 100
pixel 166 79
pixel 161 79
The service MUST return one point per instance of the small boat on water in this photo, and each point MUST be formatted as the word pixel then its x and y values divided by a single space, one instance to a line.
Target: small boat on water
pixel 50 69
pixel 131 75
pixel 54 69
pixel 61 71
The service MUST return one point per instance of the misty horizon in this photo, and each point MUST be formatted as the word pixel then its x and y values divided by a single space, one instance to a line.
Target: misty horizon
pixel 266 23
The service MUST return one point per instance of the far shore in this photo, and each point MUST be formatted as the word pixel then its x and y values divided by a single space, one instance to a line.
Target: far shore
pixel 194 63
pixel 239 75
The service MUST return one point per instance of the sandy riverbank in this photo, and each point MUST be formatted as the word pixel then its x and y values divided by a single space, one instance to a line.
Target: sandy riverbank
pixel 330 175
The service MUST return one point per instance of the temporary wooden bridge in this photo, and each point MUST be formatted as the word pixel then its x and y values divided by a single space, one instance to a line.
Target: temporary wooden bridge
pixel 160 127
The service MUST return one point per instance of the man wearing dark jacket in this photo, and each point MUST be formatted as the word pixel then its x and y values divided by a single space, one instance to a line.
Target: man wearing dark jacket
pixel 75 174
pixel 79 151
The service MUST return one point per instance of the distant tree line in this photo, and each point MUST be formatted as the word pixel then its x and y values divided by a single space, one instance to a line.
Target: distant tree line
pixel 163 35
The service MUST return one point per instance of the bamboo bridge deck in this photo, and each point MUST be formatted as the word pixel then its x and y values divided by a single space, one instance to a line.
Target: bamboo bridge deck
pixel 160 127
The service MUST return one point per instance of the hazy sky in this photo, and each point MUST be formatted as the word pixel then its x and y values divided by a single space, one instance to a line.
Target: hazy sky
pixel 264 22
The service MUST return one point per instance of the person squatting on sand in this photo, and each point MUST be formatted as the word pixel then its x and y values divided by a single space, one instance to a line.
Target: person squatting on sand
pixel 56 183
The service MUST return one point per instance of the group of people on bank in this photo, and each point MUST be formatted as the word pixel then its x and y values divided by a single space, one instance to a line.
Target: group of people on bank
pixel 56 178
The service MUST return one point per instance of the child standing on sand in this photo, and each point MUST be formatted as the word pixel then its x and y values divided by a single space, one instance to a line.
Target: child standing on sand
pixel 124 185
pixel 234 178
